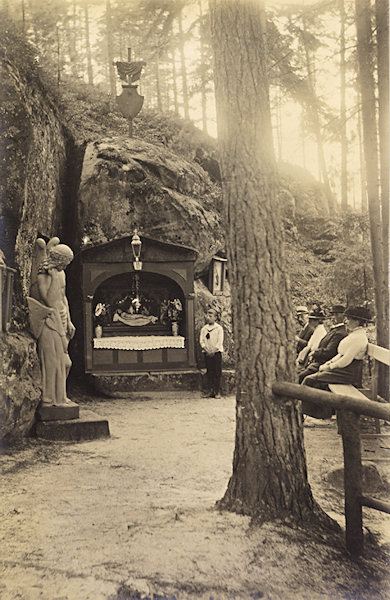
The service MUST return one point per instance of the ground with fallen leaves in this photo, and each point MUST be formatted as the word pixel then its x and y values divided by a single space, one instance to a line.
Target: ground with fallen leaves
pixel 134 516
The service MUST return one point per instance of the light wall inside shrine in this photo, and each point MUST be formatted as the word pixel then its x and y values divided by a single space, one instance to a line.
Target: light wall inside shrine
pixel 126 337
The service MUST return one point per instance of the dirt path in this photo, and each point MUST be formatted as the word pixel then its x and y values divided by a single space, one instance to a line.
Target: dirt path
pixel 135 514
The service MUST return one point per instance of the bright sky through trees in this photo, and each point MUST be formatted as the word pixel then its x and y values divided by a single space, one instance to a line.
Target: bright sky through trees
pixel 294 135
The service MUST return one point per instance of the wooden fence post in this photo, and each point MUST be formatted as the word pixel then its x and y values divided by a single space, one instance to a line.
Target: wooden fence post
pixel 349 424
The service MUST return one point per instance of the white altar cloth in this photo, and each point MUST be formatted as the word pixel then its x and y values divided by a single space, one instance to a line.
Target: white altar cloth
pixel 139 342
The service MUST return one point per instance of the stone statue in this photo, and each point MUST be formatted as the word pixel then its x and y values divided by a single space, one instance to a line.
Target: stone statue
pixel 50 318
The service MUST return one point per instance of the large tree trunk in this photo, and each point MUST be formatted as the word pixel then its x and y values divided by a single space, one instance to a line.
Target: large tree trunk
pixel 203 74
pixel 315 119
pixel 174 81
pixel 110 57
pixel 367 88
pixel 382 36
pixel 344 141
pixel 362 162
pixel 269 469
pixel 72 36
pixel 157 81
pixel 88 44
pixel 183 68
pixel 279 127
pixel 303 136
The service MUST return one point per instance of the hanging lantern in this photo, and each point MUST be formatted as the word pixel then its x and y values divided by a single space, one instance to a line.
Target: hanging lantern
pixel 136 247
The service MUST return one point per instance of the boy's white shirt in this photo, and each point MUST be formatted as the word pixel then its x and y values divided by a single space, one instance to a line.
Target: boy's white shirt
pixel 215 343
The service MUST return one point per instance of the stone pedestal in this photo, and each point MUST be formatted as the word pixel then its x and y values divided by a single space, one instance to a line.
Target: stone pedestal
pixel 50 412
pixel 87 427
pixel 68 423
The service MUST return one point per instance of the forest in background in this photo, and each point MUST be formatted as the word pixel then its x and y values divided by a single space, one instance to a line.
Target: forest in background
pixel 313 70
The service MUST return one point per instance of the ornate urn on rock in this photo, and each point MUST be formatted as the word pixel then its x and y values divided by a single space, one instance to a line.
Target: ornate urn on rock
pixel 130 102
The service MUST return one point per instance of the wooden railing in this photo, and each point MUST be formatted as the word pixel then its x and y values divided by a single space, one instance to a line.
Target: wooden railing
pixel 348 410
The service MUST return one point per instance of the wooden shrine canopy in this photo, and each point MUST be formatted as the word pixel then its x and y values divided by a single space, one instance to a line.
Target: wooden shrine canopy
pixel 122 338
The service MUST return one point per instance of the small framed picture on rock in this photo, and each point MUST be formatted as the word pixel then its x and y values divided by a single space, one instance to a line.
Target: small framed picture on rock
pixel 217 275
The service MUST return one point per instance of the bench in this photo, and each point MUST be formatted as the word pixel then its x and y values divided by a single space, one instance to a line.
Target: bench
pixel 378 355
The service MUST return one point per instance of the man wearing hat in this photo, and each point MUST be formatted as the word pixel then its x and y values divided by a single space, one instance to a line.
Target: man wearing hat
pixel 347 366
pixel 306 329
pixel 316 319
pixel 327 347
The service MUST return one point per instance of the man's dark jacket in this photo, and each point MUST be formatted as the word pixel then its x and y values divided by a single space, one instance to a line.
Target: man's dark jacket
pixel 304 336
pixel 327 348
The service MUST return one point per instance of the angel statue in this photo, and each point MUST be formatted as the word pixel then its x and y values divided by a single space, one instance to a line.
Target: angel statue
pixel 50 319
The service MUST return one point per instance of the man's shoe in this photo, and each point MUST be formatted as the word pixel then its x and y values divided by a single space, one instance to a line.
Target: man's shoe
pixel 205 394
pixel 217 396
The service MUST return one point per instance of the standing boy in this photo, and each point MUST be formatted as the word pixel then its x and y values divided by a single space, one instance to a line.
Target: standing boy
pixel 211 342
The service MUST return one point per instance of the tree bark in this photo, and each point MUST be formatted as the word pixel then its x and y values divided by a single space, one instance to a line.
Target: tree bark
pixel 88 44
pixel 344 141
pixel 303 137
pixel 174 81
pixel 363 178
pixel 269 469
pixel 72 36
pixel 183 68
pixel 157 80
pixel 203 75
pixel 279 128
pixel 110 58
pixel 367 89
pixel 382 37
pixel 313 111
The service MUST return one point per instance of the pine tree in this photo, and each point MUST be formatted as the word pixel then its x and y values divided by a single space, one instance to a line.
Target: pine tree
pixel 370 135
pixel 269 471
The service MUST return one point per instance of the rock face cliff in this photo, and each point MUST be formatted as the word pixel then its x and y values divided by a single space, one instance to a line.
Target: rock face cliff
pixel 33 170
pixel 20 392
pixel 68 169
pixel 127 183
pixel 34 161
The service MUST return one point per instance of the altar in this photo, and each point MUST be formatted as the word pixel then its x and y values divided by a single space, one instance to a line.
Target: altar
pixel 138 320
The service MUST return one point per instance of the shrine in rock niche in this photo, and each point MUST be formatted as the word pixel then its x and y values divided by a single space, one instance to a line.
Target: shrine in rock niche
pixel 138 296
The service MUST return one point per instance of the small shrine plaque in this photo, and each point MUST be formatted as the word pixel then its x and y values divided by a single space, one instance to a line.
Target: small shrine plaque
pixel 217 275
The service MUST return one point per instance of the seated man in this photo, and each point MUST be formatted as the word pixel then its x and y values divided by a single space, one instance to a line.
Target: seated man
pixel 306 330
pixel 327 348
pixel 346 367
pixel 316 319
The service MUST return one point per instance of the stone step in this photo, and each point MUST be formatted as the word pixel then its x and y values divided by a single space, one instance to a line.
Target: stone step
pixel 119 386
pixel 88 426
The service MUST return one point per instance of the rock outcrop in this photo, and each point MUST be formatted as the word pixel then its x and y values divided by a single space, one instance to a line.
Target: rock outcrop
pixel 34 162
pixel 32 177
pixel 127 183
pixel 20 391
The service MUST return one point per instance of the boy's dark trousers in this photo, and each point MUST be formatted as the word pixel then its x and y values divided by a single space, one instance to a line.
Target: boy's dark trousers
pixel 214 372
